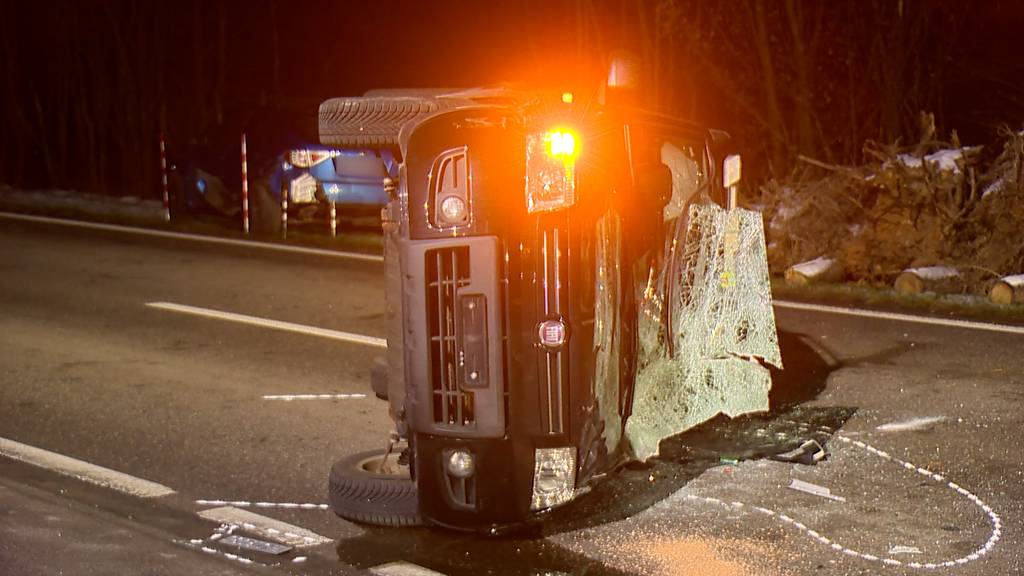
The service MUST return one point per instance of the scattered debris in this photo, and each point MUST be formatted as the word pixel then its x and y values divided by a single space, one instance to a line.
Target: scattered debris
pixel 912 424
pixel 809 453
pixel 814 489
pixel 728 460
pixel 900 549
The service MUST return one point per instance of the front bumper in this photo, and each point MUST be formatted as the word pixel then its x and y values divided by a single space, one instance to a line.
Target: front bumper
pixel 500 492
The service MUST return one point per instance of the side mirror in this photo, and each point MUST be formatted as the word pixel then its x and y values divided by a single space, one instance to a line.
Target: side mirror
pixel 731 169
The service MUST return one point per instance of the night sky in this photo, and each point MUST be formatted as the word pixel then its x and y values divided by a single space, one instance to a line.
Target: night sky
pixel 91 83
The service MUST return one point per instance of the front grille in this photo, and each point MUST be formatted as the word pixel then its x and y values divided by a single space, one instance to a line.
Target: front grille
pixel 447 270
pixel 554 363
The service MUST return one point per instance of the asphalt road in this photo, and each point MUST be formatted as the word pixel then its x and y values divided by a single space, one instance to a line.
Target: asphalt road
pixel 88 370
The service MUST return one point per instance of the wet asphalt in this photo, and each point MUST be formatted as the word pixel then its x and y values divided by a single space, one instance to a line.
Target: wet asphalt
pixel 89 371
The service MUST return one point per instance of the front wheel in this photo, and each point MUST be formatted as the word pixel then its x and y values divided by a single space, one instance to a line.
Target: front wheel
pixel 371 489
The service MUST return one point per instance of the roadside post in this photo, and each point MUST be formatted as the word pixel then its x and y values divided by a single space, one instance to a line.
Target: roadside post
pixel 334 220
pixel 163 178
pixel 284 212
pixel 245 190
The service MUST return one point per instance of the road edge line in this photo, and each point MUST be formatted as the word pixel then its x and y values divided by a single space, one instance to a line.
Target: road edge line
pixel 860 312
pixel 192 237
pixel 85 471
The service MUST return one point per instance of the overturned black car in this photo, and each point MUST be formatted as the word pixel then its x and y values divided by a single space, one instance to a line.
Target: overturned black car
pixel 566 287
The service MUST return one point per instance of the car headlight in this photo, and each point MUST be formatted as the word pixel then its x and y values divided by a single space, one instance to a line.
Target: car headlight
pixel 453 210
pixel 554 477
pixel 551 170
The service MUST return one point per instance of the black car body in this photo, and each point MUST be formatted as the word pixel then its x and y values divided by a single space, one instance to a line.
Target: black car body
pixel 522 238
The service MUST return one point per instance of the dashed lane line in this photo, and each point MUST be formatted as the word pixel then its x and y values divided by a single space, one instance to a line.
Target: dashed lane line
pixel 75 468
pixel 194 237
pixel 968 324
pixel 273 324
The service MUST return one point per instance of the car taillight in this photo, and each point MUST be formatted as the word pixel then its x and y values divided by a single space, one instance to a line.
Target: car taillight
pixel 551 170
pixel 307 158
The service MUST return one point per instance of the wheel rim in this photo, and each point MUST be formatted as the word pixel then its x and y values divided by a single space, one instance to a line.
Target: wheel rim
pixel 391 468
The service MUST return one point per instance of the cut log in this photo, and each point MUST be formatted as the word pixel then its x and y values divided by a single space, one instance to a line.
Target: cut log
pixel 938 279
pixel 1008 290
pixel 814 271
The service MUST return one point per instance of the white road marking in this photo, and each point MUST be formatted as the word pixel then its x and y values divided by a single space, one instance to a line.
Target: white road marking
pixel 195 237
pixel 290 397
pixel 274 324
pixel 83 470
pixel 993 518
pixel 912 424
pixel 270 528
pixel 247 504
pixel 403 569
pixel 1005 328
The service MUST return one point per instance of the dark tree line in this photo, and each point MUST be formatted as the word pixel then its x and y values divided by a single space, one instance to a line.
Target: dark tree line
pixel 89 85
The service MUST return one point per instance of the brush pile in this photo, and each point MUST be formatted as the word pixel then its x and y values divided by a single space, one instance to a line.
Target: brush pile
pixel 936 203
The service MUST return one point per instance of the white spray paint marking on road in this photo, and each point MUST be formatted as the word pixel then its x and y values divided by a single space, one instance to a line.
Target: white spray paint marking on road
pixel 290 397
pixel 968 324
pixel 82 470
pixel 270 528
pixel 912 424
pixel 195 237
pixel 993 518
pixel 273 324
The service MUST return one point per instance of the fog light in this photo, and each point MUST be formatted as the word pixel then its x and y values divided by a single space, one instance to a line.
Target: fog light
pixel 552 333
pixel 453 209
pixel 460 464
pixel 554 477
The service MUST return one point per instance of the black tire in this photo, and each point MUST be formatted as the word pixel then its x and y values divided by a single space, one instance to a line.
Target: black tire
pixel 264 210
pixel 369 121
pixel 359 494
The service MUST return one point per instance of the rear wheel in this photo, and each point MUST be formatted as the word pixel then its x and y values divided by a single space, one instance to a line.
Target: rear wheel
pixel 370 489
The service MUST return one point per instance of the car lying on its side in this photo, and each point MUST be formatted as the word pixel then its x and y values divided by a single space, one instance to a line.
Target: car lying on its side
pixel 565 289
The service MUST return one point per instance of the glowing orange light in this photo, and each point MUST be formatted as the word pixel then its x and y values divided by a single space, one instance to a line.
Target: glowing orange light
pixel 567 97
pixel 562 144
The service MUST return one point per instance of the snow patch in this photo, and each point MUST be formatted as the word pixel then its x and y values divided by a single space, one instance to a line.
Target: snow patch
pixel 815 267
pixel 994 187
pixel 947 160
pixel 934 272
pixel 1016 281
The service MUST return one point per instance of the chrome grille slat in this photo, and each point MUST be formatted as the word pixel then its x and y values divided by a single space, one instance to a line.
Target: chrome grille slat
pixel 447 273
pixel 551 288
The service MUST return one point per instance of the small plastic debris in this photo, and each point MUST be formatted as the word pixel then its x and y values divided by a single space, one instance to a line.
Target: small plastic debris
pixel 900 549
pixel 814 489
pixel 728 460
pixel 298 560
pixel 810 453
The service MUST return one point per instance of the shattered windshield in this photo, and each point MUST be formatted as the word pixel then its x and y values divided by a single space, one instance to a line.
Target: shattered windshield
pixel 705 325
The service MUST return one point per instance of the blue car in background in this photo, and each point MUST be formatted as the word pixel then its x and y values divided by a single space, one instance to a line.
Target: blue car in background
pixel 284 163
